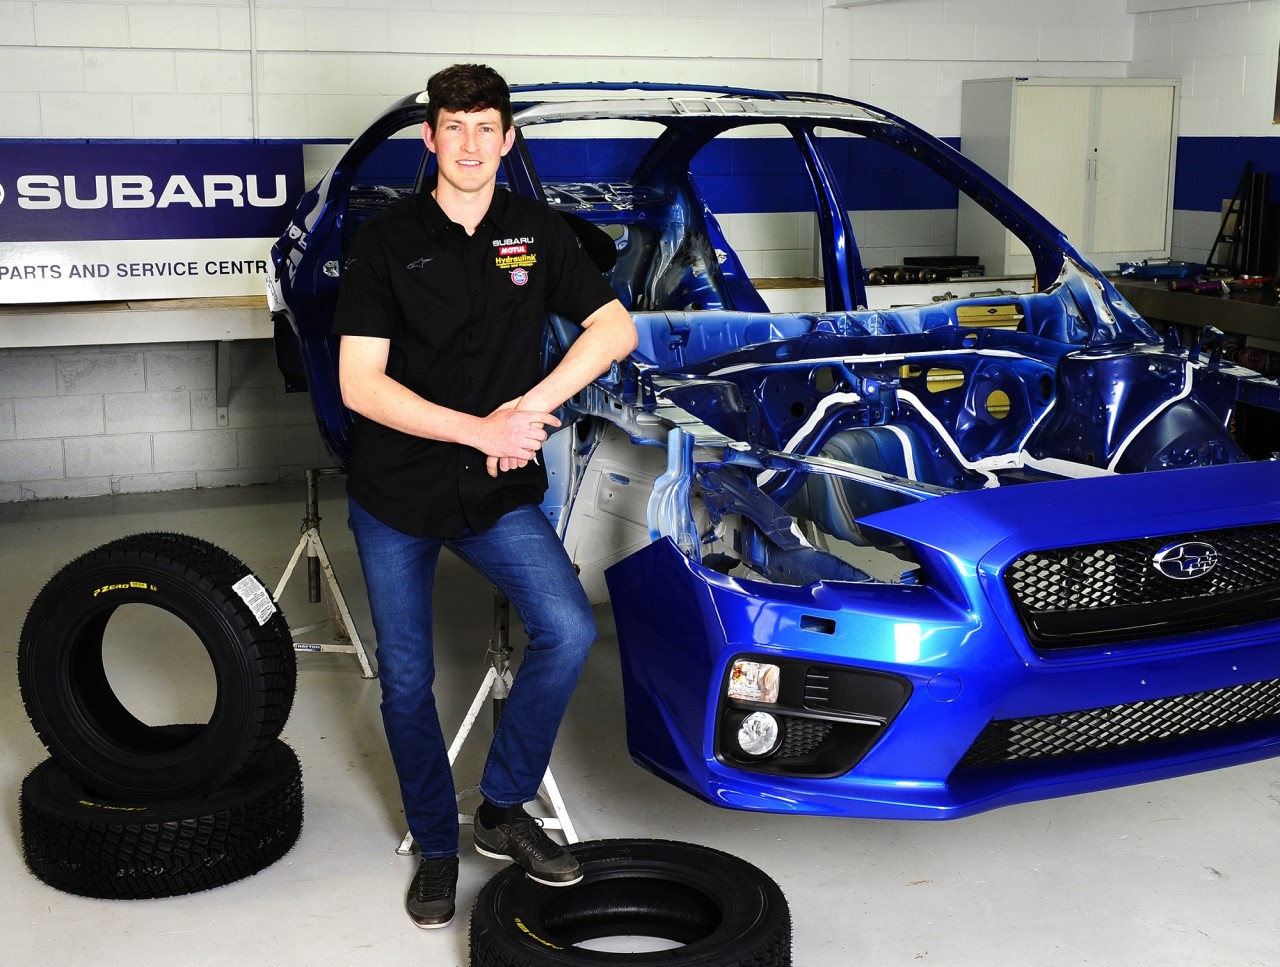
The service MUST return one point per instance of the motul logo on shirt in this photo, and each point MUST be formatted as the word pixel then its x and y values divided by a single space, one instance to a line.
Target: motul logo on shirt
pixel 513 249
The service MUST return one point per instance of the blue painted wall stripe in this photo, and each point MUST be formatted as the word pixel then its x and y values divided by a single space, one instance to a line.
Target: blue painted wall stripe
pixel 872 176
pixel 1209 169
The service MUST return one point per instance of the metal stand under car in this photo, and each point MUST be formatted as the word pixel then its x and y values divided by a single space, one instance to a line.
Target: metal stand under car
pixel 495 686
pixel 346 638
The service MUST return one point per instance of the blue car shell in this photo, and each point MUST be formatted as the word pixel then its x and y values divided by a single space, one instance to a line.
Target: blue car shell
pixel 894 561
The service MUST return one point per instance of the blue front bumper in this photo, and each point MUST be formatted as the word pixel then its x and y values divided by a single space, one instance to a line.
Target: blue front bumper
pixel 957 645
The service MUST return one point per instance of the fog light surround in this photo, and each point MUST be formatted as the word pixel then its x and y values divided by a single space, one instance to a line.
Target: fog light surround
pixel 759 735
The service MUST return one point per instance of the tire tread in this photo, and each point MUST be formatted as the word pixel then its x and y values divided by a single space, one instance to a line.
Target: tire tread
pixel 120 851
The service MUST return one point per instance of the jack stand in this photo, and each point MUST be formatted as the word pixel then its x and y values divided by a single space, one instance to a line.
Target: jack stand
pixel 495 686
pixel 346 638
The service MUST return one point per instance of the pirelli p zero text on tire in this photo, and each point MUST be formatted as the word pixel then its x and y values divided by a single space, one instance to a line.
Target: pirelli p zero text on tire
pixel 81 719
pixel 718 911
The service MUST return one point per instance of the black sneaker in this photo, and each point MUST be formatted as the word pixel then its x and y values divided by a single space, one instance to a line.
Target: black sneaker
pixel 520 838
pixel 430 898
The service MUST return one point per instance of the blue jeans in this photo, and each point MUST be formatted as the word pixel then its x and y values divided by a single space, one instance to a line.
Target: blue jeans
pixel 524 558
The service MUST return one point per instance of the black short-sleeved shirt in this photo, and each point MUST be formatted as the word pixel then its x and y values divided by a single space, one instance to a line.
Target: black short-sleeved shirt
pixel 465 316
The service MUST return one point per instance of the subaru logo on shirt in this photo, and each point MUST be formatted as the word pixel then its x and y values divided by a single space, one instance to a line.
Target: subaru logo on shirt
pixel 1185 560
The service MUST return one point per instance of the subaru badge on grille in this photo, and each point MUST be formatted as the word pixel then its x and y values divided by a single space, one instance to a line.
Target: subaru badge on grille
pixel 1187 560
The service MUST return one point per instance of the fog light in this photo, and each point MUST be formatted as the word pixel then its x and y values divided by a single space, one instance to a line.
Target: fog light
pixel 754 681
pixel 758 735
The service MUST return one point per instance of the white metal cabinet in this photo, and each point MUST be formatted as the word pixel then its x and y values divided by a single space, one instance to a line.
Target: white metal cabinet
pixel 1094 156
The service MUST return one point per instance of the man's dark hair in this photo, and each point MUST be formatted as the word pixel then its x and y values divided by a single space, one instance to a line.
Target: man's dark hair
pixel 464 88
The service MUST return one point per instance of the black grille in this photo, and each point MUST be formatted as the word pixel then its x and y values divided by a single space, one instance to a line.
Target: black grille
pixel 1122 726
pixel 1080 595
pixel 801 736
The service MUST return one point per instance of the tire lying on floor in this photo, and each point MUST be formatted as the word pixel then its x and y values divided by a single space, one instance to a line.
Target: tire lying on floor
pixel 722 910
pixel 85 844
pixel 82 721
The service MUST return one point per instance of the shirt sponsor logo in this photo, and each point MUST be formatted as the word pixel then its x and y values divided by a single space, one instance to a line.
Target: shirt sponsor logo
pixel 516 261
pixel 519 276
pixel 504 242
pixel 513 249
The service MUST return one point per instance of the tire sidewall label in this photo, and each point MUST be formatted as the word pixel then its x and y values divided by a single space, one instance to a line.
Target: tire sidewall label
pixel 126 586
pixel 256 598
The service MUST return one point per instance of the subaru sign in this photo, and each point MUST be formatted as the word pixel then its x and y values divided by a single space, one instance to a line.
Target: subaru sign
pixel 84 222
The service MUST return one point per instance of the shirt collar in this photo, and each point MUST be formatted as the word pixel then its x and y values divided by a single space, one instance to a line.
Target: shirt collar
pixel 435 220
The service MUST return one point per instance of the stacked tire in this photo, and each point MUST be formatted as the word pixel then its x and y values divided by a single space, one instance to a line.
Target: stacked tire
pixel 127 810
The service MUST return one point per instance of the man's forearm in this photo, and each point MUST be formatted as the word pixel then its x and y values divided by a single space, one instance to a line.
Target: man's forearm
pixel 609 335
pixel 504 433
pixel 383 400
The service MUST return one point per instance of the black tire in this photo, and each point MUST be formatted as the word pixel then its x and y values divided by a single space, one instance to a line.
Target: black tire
pixel 725 911
pixel 122 850
pixel 83 722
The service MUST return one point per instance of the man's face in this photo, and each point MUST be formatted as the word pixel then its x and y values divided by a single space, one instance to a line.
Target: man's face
pixel 468 147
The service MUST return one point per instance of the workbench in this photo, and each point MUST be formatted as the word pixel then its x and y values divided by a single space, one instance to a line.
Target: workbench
pixel 1252 313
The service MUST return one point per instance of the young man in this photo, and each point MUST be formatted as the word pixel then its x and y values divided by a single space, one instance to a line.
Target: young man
pixel 441 316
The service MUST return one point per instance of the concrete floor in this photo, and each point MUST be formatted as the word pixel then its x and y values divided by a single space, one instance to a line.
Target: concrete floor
pixel 1173 873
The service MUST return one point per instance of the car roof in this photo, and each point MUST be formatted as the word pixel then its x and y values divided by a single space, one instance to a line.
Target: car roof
pixel 535 103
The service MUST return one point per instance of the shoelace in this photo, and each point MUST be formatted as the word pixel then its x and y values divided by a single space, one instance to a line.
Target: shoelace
pixel 527 832
pixel 435 880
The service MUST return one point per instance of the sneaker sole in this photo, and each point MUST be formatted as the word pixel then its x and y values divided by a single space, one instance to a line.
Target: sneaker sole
pixel 536 879
pixel 431 926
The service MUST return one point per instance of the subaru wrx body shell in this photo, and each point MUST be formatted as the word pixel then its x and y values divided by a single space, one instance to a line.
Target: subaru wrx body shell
pixel 902 562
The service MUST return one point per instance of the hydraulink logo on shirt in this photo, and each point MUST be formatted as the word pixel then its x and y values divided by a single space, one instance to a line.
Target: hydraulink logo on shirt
pixel 514 255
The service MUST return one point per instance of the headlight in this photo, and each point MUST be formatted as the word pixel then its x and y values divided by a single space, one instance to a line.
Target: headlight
pixel 759 734
pixel 754 681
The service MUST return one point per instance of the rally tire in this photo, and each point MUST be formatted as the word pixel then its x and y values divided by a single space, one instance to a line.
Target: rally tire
pixel 724 911
pixel 82 721
pixel 110 849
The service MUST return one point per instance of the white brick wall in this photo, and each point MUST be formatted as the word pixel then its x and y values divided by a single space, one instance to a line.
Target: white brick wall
pixel 186 68
pixel 76 422
pixel 81 24
pixel 911 56
pixel 183 68
pixel 1226 58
